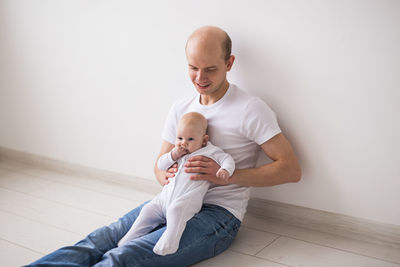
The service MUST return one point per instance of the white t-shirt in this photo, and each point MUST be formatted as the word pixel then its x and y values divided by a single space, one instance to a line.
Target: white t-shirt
pixel 238 123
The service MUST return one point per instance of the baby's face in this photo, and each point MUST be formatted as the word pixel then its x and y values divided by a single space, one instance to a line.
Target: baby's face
pixel 189 138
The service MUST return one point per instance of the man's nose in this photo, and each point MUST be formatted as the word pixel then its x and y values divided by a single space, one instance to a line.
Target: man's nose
pixel 201 76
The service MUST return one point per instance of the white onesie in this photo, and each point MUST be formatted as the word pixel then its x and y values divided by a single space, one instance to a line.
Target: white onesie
pixel 179 201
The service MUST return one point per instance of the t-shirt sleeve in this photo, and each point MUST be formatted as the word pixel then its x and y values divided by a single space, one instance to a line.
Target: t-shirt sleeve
pixel 169 131
pixel 260 123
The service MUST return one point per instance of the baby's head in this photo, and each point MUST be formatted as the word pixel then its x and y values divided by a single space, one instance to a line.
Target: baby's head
pixel 192 132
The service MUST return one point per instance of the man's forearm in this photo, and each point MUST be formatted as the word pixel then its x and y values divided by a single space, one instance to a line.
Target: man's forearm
pixel 271 174
pixel 160 175
pixel 285 167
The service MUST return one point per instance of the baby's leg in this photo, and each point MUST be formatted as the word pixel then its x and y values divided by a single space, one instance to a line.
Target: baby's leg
pixel 178 213
pixel 149 218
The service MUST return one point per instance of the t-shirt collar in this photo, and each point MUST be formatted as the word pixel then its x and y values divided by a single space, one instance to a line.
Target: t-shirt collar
pixel 219 102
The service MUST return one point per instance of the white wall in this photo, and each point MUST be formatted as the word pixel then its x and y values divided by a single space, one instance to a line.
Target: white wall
pixel 91 82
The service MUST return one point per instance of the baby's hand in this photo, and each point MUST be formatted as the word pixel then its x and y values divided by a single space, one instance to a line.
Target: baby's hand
pixel 178 152
pixel 223 174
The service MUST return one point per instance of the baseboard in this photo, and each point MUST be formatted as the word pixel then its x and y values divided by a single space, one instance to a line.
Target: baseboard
pixel 312 219
pixel 327 222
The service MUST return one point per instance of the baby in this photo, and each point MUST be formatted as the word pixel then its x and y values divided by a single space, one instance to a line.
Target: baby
pixel 182 198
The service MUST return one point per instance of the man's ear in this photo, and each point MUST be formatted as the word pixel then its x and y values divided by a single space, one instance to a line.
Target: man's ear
pixel 229 62
pixel 205 140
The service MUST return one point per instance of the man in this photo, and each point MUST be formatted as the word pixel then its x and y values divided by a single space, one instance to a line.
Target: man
pixel 240 124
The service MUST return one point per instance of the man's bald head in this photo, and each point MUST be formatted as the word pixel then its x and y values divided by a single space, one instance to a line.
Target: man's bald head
pixel 211 36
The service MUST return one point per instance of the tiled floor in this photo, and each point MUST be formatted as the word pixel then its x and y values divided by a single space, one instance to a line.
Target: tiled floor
pixel 41 211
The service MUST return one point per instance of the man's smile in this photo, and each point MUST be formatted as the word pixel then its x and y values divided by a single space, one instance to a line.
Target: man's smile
pixel 203 86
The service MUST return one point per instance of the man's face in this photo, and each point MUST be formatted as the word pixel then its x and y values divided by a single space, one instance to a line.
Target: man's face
pixel 207 67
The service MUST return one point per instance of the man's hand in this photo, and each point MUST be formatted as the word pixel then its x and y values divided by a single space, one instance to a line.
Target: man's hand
pixel 205 169
pixel 170 173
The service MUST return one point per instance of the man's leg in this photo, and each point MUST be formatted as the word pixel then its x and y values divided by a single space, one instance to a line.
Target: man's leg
pixel 91 249
pixel 207 234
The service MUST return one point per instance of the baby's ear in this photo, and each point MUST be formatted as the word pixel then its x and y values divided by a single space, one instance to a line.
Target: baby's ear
pixel 205 140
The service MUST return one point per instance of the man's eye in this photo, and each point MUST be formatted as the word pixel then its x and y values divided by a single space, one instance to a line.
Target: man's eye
pixel 210 70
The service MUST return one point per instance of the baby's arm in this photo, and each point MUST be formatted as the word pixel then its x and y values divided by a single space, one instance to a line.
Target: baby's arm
pixel 166 160
pixel 227 166
pixel 177 153
pixel 223 174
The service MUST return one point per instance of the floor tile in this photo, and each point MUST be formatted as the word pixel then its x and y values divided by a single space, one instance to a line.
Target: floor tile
pixel 249 241
pixel 36 236
pixel 234 259
pixel 11 164
pixel 96 185
pixel 299 253
pixel 21 182
pixel 12 255
pixel 359 247
pixel 86 199
pixel 104 185
pixel 51 213
pixel 31 224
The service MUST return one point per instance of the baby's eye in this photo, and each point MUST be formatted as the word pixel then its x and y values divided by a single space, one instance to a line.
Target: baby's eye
pixel 179 138
pixel 191 139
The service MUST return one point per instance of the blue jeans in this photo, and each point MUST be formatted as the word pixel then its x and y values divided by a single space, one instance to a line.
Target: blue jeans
pixel 208 233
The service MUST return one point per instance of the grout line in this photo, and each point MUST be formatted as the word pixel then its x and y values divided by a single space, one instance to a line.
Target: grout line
pixel 16 244
pixel 254 256
pixel 265 231
pixel 347 226
pixel 343 250
pixel 285 264
pixel 322 245
pixel 270 243
pixel 273 261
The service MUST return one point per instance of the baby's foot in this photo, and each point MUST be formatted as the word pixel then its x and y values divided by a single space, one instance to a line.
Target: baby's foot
pixel 122 242
pixel 164 250
pixel 164 247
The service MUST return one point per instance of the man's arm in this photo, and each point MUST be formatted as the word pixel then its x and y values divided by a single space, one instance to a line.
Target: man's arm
pixel 162 176
pixel 284 168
